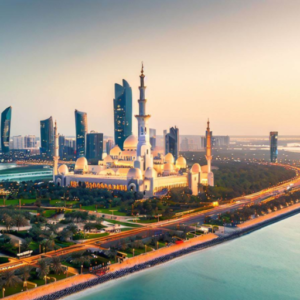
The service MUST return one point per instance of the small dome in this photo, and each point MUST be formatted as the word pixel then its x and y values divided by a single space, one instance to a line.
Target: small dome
pixel 169 158
pixel 63 170
pixel 131 143
pixel 108 159
pixel 196 168
pixel 81 163
pixel 181 162
pixel 150 173
pixel 168 167
pixel 134 173
pixel 115 151
pixel 157 150
pixel 104 155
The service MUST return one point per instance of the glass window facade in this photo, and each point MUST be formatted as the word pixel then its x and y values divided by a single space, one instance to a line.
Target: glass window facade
pixel 172 142
pixel 273 146
pixel 5 129
pixel 122 113
pixel 94 146
pixel 47 137
pixel 81 131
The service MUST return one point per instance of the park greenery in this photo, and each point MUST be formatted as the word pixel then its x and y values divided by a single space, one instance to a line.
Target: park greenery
pixel 255 210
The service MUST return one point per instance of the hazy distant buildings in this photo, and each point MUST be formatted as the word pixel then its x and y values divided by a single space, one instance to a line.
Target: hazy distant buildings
pixel 216 141
pixel 94 146
pixel 152 138
pixel 30 141
pixel 108 145
pixel 172 142
pixel 81 129
pixel 47 137
pixel 122 113
pixel 273 146
pixel 18 142
pixel 5 129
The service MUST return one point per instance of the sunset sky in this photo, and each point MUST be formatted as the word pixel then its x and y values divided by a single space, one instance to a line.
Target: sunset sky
pixel 236 62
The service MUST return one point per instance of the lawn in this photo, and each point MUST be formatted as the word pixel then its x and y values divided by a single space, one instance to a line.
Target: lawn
pixel 60 203
pixel 3 259
pixel 48 213
pixel 16 202
pixel 123 223
pixel 104 210
pixel 89 236
pixel 147 221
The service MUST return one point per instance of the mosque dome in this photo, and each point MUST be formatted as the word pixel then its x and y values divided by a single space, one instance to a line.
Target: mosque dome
pixel 157 150
pixel 168 166
pixel 150 173
pixel 131 143
pixel 134 173
pixel 81 163
pixel 104 155
pixel 181 162
pixel 108 159
pixel 115 151
pixel 63 170
pixel 169 158
pixel 196 168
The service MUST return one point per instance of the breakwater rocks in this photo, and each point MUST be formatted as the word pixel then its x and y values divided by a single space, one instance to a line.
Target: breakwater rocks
pixel 160 260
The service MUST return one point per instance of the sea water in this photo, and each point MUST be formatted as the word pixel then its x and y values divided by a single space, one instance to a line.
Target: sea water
pixel 264 264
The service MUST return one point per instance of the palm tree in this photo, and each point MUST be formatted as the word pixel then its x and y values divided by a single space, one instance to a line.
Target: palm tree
pixel 43 269
pixel 56 265
pixel 11 280
pixel 20 221
pixel 26 272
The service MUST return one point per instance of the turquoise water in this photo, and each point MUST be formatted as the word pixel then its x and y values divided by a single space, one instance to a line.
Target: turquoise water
pixel 262 265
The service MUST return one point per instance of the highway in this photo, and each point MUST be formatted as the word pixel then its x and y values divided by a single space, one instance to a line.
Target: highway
pixel 279 189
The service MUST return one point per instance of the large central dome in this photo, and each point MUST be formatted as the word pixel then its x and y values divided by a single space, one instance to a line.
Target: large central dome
pixel 130 143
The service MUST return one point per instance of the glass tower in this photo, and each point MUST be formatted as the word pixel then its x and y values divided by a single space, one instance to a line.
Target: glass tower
pixel 172 142
pixel 94 146
pixel 122 113
pixel 273 146
pixel 5 129
pixel 81 131
pixel 47 137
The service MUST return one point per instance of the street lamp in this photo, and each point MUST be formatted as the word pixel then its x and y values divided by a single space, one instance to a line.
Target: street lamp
pixel 132 252
pixel 81 268
pixel 45 278
pixel 3 292
pixel 157 245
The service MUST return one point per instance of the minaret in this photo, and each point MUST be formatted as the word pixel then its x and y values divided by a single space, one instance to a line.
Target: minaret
pixel 144 146
pixel 55 157
pixel 210 175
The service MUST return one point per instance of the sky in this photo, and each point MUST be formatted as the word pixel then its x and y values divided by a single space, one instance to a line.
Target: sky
pixel 234 62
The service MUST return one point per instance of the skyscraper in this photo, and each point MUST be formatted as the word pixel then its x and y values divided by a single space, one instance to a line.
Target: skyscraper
pixel 29 141
pixel 273 146
pixel 122 113
pixel 108 146
pixel 47 137
pixel 172 142
pixel 5 129
pixel 152 138
pixel 94 146
pixel 61 148
pixel 81 131
pixel 18 142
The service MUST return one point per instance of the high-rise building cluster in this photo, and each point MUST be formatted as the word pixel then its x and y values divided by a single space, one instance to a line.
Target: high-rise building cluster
pixel 273 146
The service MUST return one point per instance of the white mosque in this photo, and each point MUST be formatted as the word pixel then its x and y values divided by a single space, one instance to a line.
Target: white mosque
pixel 136 168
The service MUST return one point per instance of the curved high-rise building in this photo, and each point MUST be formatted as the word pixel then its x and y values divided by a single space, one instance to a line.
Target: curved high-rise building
pixel 47 137
pixel 81 131
pixel 122 113
pixel 5 129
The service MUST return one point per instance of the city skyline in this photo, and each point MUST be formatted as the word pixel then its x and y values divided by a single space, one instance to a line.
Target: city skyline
pixel 71 60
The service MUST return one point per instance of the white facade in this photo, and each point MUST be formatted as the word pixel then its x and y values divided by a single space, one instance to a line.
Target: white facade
pixel 136 168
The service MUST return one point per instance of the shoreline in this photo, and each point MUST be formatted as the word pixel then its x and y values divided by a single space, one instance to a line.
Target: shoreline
pixel 143 262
